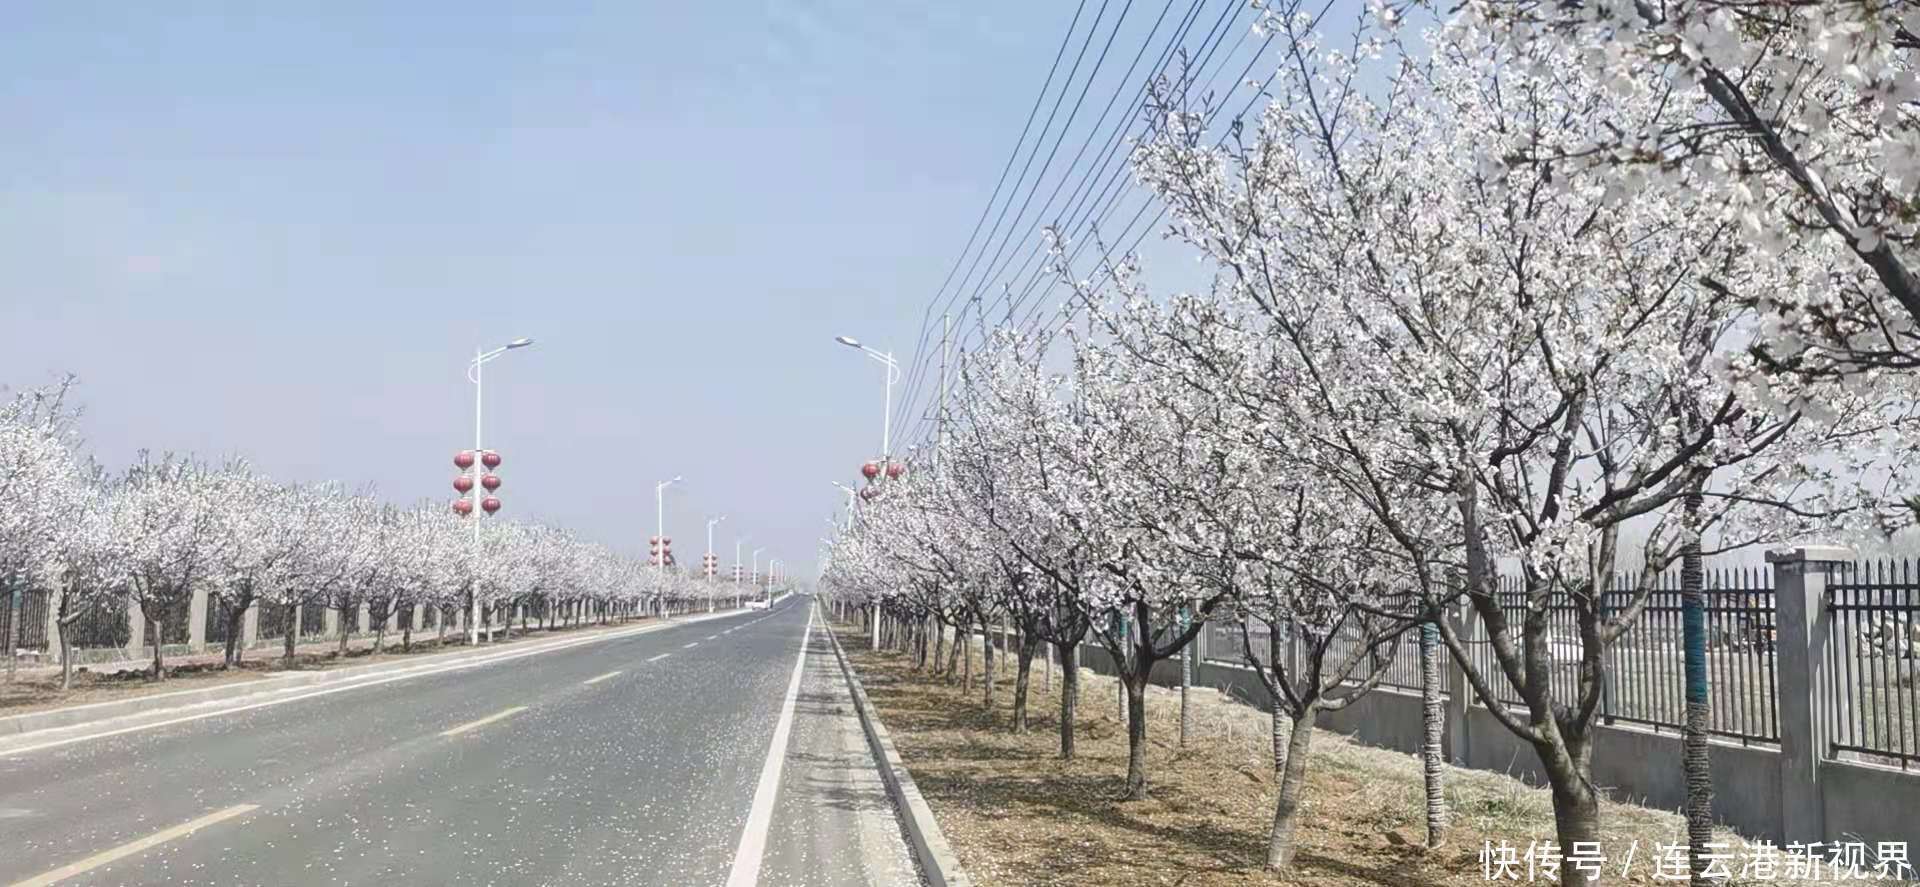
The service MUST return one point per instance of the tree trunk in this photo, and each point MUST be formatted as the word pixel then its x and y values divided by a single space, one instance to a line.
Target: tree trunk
pixel 66 650
pixel 1022 678
pixel 987 662
pixel 1135 686
pixel 1186 684
pixel 1433 715
pixel 1292 790
pixel 406 637
pixel 1069 700
pixel 159 662
pixel 1576 803
pixel 291 636
pixel 964 640
pixel 940 647
pixel 953 653
pixel 236 626
pixel 1693 740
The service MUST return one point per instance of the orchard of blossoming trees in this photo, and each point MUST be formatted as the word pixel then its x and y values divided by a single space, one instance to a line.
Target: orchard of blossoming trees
pixel 1551 291
pixel 151 535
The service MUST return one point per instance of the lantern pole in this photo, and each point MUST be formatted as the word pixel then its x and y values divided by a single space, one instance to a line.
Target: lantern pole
pixel 893 375
pixel 473 591
pixel 712 563
pixel 736 569
pixel 660 527
pixel 756 571
pixel 473 374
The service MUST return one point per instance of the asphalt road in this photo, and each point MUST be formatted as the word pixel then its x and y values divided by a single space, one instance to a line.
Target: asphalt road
pixel 635 760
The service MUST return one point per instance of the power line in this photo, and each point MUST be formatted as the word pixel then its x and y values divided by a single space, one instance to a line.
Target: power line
pixel 1053 112
pixel 1032 113
pixel 911 400
pixel 1026 324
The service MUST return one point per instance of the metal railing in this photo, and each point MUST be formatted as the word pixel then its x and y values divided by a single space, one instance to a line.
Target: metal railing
pixel 1871 701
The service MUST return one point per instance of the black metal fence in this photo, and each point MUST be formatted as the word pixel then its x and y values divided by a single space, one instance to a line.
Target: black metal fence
pixel 1645 668
pixel 1871 701
pixel 313 620
pixel 23 617
pixel 100 627
pixel 273 621
pixel 215 627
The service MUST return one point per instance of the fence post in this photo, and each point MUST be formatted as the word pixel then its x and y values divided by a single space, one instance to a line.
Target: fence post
pixel 136 629
pixel 1800 587
pixel 250 626
pixel 1459 692
pixel 55 591
pixel 197 604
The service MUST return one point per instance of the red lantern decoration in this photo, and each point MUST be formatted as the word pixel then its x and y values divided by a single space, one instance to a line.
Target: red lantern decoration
pixel 490 505
pixel 463 459
pixel 895 469
pixel 462 507
pixel 666 540
pixel 871 470
pixel 490 481
pixel 490 459
pixel 463 483
pixel 653 540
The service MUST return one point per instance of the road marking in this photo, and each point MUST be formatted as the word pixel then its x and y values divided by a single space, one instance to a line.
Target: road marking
pixel 484 721
pixel 728 631
pixel 348 684
pixel 753 839
pixel 660 657
pixel 132 847
pixel 600 678
pixel 712 636
pixel 691 646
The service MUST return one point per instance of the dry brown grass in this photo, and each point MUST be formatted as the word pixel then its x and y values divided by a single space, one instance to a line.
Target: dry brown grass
pixel 1018 815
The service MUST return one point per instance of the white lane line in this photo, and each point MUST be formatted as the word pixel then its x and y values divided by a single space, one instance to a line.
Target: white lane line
pixel 660 657
pixel 753 840
pixel 728 631
pixel 712 636
pixel 138 846
pixel 424 671
pixel 591 681
pixel 474 725
pixel 691 646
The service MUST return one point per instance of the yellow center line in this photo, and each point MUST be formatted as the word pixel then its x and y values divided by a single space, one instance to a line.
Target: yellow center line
pixel 132 847
pixel 600 678
pixel 485 721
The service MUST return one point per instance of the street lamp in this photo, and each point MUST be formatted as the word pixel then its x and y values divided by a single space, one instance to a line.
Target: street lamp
pixel 712 564
pixel 755 578
pixel 893 375
pixel 660 528
pixel 852 494
pixel 480 357
pixel 737 575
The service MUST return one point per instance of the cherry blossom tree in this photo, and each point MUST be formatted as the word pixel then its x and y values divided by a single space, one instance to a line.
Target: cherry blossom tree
pixel 165 517
pixel 1798 118
pixel 1516 346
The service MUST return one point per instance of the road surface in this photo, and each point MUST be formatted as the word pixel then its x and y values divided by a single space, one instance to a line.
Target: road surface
pixel 634 760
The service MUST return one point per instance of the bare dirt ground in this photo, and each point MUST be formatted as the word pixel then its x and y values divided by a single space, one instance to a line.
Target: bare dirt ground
pixel 39 689
pixel 1018 815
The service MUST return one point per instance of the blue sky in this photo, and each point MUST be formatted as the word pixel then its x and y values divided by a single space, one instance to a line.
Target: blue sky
pixel 280 234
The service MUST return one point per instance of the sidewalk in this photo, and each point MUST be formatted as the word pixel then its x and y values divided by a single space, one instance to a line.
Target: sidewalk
pixel 837 822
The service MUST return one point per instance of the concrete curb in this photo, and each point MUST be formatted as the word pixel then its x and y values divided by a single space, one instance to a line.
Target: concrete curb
pixel 937 860
pixel 95 713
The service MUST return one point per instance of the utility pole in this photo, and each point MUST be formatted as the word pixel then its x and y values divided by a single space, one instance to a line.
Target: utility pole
pixel 940 417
